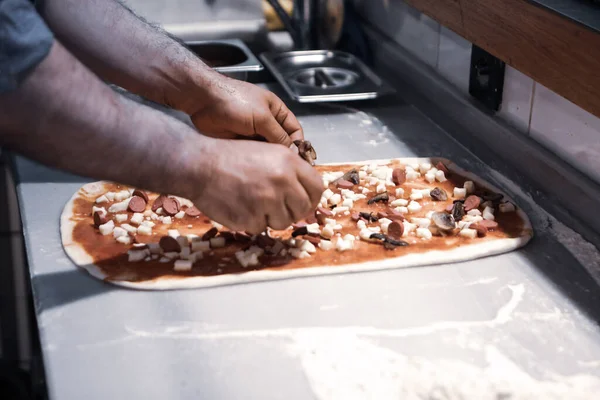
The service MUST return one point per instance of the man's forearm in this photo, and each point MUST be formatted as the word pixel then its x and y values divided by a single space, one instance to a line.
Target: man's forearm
pixel 65 117
pixel 125 50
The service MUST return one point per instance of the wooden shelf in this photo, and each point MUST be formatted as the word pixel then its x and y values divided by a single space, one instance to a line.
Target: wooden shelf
pixel 557 52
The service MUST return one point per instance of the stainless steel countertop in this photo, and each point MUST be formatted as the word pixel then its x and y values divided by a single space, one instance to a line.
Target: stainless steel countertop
pixel 520 324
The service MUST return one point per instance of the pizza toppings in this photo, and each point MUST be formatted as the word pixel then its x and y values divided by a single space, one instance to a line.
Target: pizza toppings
pixel 99 218
pixel 137 204
pixel 443 221
pixel 458 211
pixel 381 197
pixel 460 193
pixel 170 206
pixel 306 151
pixel 438 194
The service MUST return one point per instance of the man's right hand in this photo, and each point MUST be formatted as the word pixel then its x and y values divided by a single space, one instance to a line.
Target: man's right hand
pixel 253 185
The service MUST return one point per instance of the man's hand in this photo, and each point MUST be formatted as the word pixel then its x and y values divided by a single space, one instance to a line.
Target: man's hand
pixel 235 108
pixel 255 185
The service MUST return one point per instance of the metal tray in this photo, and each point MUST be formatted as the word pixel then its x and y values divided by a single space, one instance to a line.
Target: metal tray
pixel 230 57
pixel 324 76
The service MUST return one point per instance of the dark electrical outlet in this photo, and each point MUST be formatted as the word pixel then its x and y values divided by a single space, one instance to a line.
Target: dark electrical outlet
pixel 486 79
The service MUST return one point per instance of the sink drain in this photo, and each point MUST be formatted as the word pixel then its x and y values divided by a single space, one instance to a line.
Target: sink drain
pixel 324 78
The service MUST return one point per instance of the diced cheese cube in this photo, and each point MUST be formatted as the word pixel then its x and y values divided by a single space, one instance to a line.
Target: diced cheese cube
pixel 429 214
pixel 380 173
pixel 307 246
pixel 402 209
pixel 337 227
pixel 180 214
pixel 327 231
pixel 124 239
pixel 463 224
pixel 384 221
pixel 313 228
pixel 119 232
pixel 174 233
pixel 440 176
pixel 364 168
pixel 183 241
pixel 122 195
pixel 256 250
pixel 373 181
pixel 344 245
pixel 335 199
pixel 399 192
pixel 102 199
pixel 399 202
pixel 297 253
pixel 137 255
pixel 118 207
pixel 154 248
pixel 365 191
pixel 185 253
pixel 506 207
pixel 472 218
pixel 414 207
pixel 408 228
pixel 360 224
pixel 474 212
pixel 414 165
pixel 167 220
pixel 429 177
pixel 362 174
pixel 327 194
pixel 137 218
pixel 426 193
pixel 374 229
pixel 325 245
pixel 416 195
pixel 155 217
pixel 365 234
pixel 159 211
pixel 148 213
pixel 421 222
pixel 110 196
pixel 129 228
pixel 200 245
pixel 149 224
pixel 469 186
pixel 325 183
pixel 217 242
pixel 172 254
pixel 349 237
pixel 468 233
pixel 216 225
pixel 412 175
pixel 121 217
pixel 424 233
pixel 182 265
pixel 101 210
pixel 339 210
pixel 347 203
pixel 424 167
pixel 330 221
pixel 460 193
pixel 488 213
pixel 144 230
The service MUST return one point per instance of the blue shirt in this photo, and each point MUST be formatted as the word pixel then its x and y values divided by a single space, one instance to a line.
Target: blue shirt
pixel 25 40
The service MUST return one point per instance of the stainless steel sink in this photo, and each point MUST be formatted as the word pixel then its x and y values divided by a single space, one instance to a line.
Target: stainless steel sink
pixel 323 75
pixel 230 57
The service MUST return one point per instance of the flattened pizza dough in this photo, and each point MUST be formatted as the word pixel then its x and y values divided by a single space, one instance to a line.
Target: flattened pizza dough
pixel 407 227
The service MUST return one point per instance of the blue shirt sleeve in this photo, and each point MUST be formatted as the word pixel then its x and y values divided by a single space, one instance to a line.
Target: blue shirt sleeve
pixel 25 41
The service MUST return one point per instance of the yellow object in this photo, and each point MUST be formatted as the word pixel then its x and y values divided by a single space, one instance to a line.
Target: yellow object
pixel 273 21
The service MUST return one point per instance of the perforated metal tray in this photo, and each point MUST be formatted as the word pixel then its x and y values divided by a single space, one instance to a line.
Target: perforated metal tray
pixel 324 76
